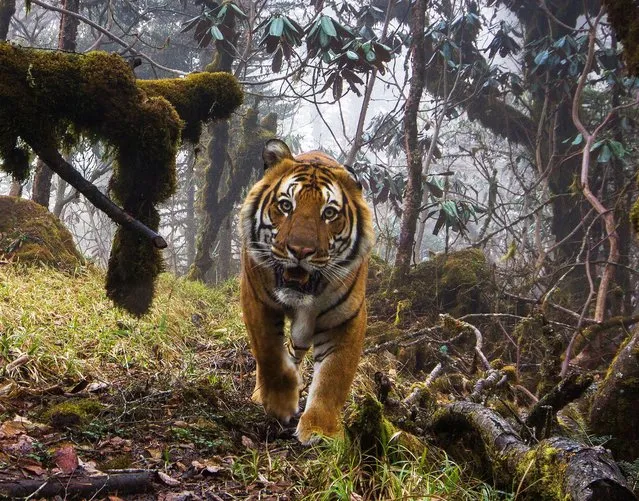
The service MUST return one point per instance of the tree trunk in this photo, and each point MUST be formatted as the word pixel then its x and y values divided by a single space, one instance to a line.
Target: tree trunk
pixel 189 223
pixel 223 262
pixel 210 219
pixel 67 37
pixel 41 190
pixel 614 408
pixel 16 189
pixel 7 9
pixel 413 192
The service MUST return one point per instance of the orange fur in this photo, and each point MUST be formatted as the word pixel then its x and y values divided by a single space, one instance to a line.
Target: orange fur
pixel 328 312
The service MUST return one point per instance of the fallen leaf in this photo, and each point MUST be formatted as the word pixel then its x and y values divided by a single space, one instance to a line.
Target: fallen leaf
pixel 21 447
pixel 167 479
pixel 34 468
pixel 177 496
pixel 66 459
pixel 10 429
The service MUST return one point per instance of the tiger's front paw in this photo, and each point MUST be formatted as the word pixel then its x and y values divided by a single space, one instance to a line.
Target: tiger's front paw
pixel 318 421
pixel 279 395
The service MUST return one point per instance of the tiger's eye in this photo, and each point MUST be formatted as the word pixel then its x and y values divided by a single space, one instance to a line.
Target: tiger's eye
pixel 329 213
pixel 285 206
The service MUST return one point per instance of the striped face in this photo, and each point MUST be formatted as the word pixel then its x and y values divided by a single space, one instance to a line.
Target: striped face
pixel 302 221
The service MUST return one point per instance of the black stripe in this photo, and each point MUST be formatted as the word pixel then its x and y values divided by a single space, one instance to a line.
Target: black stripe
pixel 343 297
pixel 355 252
pixel 315 345
pixel 258 199
pixel 320 358
pixel 345 321
pixel 299 348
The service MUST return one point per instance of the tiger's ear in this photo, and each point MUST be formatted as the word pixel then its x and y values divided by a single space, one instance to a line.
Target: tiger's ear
pixel 275 150
pixel 354 176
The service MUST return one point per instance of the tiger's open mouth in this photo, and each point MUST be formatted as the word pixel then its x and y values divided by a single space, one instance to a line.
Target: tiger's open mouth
pixel 298 279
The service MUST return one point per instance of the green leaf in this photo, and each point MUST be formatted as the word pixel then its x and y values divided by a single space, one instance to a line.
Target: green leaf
pixel 542 57
pixel 434 189
pixel 217 34
pixel 605 154
pixel 352 55
pixel 328 27
pixel 238 11
pixel 618 149
pixel 578 140
pixel 222 12
pixel 276 28
pixel 371 56
pixel 323 39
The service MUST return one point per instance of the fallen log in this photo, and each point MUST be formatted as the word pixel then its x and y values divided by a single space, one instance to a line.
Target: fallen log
pixel 75 487
pixel 545 410
pixel 556 468
pixel 614 408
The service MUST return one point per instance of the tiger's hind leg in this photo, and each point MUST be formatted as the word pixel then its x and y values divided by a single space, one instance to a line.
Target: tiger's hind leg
pixel 277 379
pixel 336 354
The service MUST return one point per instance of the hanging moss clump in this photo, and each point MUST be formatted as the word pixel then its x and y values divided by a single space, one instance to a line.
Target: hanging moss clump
pixel 52 98
pixel 624 17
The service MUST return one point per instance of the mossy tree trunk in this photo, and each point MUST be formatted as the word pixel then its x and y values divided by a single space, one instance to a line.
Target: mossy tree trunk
pixel 210 222
pixel 217 150
pixel 7 9
pixel 189 218
pixel 223 261
pixel 67 41
pixel 412 146
pixel 614 408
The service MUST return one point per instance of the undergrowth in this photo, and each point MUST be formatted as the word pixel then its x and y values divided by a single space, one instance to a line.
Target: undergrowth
pixel 71 330
pixel 179 383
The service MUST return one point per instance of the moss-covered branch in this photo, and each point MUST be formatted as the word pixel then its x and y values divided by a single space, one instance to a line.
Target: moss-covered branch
pixel 50 99
pixel 557 468
pixel 66 171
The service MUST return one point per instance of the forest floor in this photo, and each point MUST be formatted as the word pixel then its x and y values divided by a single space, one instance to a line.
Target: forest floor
pixel 165 400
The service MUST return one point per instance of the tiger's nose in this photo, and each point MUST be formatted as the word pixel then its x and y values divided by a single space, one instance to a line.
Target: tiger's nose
pixel 300 252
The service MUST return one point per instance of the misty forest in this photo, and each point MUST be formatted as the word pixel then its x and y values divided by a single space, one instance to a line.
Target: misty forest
pixel 496 143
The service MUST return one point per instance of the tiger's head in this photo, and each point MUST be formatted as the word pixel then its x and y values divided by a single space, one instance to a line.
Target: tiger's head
pixel 307 220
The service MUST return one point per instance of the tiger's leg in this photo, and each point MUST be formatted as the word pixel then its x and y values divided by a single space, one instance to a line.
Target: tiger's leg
pixel 277 379
pixel 336 353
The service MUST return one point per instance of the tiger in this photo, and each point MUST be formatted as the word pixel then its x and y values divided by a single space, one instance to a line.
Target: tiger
pixel 306 235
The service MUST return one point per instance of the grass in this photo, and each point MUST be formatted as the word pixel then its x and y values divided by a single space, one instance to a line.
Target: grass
pixel 71 330
pixel 179 383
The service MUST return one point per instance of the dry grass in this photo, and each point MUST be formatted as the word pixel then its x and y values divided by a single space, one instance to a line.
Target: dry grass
pixel 71 330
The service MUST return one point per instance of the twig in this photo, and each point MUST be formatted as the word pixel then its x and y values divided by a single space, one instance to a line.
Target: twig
pixel 479 340
pixel 419 390
pixel 109 34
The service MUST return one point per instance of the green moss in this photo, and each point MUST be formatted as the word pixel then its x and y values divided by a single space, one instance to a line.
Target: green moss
pixel 634 216
pixel 196 98
pixel 72 413
pixel 544 471
pixel 49 98
pixel 31 234
pixel 624 17
pixel 456 283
